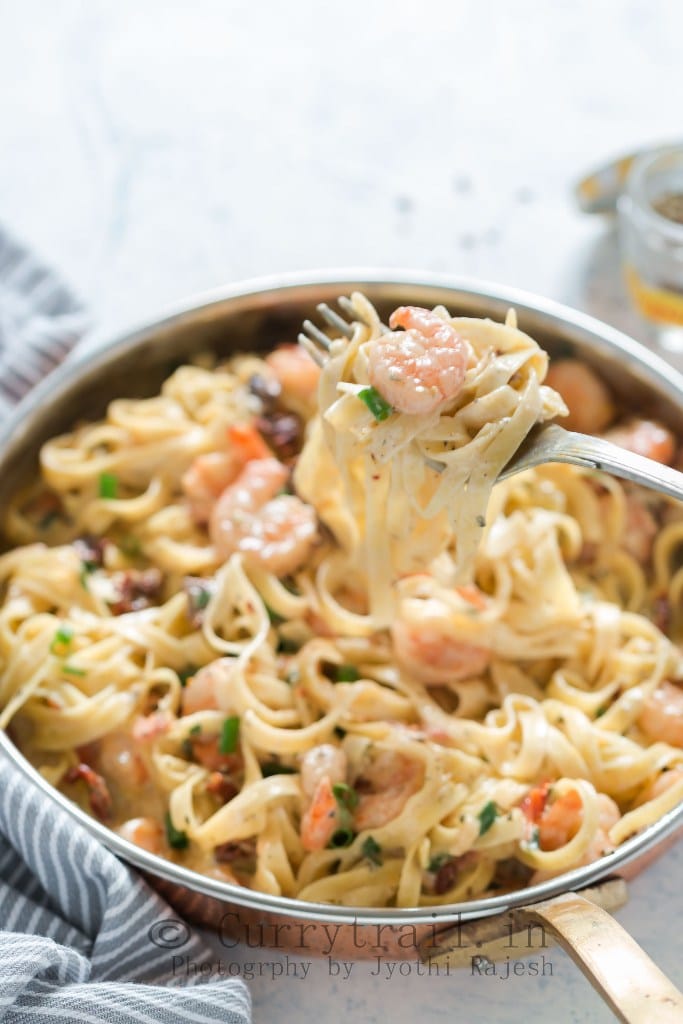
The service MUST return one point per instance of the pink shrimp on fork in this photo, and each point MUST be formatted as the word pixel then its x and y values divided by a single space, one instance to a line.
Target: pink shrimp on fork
pixel 420 368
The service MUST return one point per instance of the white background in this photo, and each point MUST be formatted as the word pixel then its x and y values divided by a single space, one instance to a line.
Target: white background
pixel 150 150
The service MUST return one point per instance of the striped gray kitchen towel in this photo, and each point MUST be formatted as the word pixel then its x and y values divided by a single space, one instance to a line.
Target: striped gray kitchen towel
pixel 82 937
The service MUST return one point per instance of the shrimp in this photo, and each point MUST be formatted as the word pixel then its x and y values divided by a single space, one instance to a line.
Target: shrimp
pixel 148 727
pixel 420 368
pixel 120 762
pixel 295 370
pixel 321 768
pixel 591 409
pixel 209 688
pixel 322 818
pixel 206 479
pixel 640 529
pixel 663 782
pixel 384 787
pixel 273 533
pixel 645 437
pixel 319 761
pixel 662 715
pixel 427 649
pixel 559 821
pixel 210 473
pixel 206 751
pixel 144 832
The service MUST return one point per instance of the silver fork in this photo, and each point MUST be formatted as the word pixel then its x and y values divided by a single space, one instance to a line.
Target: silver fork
pixel 546 442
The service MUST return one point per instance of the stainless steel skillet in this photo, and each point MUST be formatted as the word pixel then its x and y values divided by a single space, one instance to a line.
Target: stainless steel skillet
pixel 257 315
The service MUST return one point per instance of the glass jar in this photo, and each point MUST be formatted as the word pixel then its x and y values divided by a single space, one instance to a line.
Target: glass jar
pixel 651 235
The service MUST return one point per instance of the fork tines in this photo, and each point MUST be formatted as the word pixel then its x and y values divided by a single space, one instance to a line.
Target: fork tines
pixel 315 341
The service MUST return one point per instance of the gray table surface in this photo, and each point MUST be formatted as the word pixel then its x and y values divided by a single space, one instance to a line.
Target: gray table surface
pixel 153 150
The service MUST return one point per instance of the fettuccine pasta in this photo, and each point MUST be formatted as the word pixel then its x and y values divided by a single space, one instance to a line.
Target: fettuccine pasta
pixel 280 626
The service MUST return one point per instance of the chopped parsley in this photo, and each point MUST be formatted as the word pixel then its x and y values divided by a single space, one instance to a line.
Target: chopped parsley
pixel 377 405
pixel 177 839
pixel 195 730
pixel 372 850
pixel 600 712
pixel 229 734
pixel 481 522
pixel 487 815
pixel 62 639
pixel 534 841
pixel 109 485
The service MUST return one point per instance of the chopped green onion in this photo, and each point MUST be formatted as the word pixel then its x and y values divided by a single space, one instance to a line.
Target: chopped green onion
pixel 275 768
pixel 187 673
pixel 487 815
pixel 109 485
pixel 346 797
pixel 177 839
pixel 73 670
pixel 377 405
pixel 195 730
pixel 62 638
pixel 201 598
pixel 346 674
pixel 342 837
pixel 229 733
pixel 372 850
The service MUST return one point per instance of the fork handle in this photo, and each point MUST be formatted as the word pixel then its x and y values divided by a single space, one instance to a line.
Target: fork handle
pixel 560 445
pixel 600 454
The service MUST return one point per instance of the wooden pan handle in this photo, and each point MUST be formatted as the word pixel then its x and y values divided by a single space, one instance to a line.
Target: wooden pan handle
pixel 624 975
